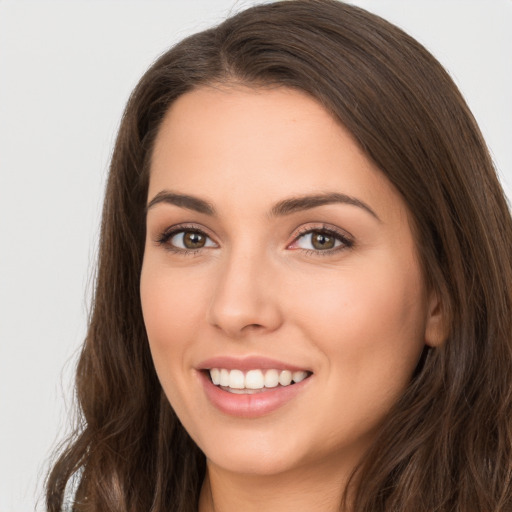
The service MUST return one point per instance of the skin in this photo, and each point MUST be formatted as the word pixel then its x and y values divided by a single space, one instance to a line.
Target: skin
pixel 357 317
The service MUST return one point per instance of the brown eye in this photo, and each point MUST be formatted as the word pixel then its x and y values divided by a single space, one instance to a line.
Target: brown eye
pixel 187 240
pixel 322 241
pixel 193 240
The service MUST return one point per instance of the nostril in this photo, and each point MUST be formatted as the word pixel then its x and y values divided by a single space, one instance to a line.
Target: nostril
pixel 252 327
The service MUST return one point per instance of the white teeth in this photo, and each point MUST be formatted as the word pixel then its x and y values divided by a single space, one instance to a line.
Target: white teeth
pixel 236 379
pixel 299 376
pixel 285 378
pixel 215 375
pixel 224 377
pixel 271 378
pixel 255 379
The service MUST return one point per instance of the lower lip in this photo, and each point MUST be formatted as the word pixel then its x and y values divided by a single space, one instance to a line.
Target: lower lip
pixel 250 405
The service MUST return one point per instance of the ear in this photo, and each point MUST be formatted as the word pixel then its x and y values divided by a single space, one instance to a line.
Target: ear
pixel 436 328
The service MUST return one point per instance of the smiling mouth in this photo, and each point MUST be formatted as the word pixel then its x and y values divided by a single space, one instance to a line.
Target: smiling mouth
pixel 254 381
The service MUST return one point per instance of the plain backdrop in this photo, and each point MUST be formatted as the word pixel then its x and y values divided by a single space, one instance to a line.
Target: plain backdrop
pixel 66 70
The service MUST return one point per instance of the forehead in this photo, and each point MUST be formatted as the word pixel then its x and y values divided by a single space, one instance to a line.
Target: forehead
pixel 255 146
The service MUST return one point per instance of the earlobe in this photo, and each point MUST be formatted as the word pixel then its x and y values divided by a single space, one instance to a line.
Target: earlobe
pixel 436 328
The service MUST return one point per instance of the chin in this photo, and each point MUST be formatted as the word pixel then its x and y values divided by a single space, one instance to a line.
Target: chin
pixel 252 463
pixel 254 454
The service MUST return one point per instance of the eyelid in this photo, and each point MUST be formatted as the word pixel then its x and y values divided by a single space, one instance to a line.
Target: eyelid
pixel 347 240
pixel 167 234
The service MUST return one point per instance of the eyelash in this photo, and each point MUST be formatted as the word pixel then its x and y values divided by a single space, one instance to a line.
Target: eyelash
pixel 346 242
pixel 164 238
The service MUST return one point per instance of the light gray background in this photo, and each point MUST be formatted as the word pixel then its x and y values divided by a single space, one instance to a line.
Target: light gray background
pixel 66 69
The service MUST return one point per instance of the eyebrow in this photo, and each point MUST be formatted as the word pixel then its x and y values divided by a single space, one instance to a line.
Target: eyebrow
pixel 296 204
pixel 183 201
pixel 280 209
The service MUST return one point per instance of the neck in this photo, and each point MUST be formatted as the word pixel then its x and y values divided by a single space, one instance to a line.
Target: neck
pixel 315 489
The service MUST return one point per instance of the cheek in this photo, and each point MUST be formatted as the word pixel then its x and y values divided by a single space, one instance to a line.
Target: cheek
pixel 172 309
pixel 369 320
pixel 171 304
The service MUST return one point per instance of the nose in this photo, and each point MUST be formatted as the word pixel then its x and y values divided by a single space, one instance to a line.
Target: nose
pixel 246 298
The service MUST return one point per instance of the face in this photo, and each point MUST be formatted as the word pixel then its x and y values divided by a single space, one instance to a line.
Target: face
pixel 281 290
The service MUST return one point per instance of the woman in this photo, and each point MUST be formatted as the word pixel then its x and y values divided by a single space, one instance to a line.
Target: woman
pixel 304 285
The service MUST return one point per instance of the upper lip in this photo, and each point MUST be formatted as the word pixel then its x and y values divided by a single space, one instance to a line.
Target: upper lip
pixel 248 363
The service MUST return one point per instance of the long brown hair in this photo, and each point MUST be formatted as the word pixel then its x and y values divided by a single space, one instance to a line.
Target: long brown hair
pixel 447 444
